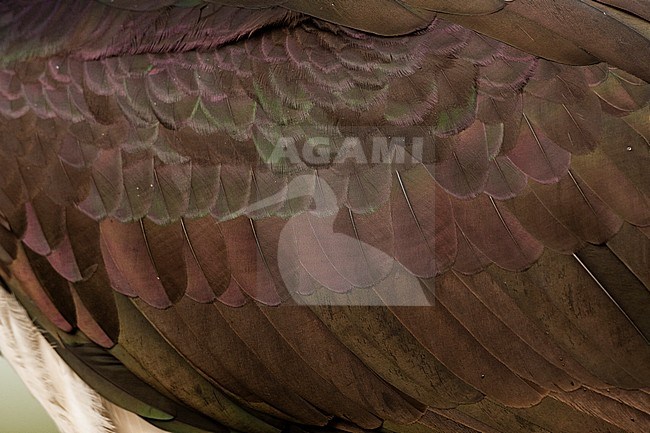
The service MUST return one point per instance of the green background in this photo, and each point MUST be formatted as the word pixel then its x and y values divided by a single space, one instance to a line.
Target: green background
pixel 19 411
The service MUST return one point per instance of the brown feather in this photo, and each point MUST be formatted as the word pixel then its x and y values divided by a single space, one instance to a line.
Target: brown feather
pixel 495 282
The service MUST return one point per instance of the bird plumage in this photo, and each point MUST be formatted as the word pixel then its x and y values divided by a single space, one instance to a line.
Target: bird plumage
pixel 412 216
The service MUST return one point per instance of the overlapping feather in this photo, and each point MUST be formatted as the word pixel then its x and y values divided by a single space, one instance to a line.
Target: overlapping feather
pixel 163 201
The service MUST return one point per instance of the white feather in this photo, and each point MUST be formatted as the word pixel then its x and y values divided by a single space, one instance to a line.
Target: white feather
pixel 72 404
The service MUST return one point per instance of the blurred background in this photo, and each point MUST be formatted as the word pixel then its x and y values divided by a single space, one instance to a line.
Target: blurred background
pixel 19 411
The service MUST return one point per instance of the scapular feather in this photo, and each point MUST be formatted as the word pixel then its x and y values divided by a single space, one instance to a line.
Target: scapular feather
pixel 259 326
pixel 34 237
pixel 425 240
pixel 131 266
pixel 465 172
pixel 171 184
pixel 234 191
pixel 486 288
pixel 619 97
pixel 630 154
pixel 163 242
pixel 626 244
pixel 206 259
pixel 600 405
pixel 589 218
pixel 504 180
pixel 575 127
pixel 375 331
pixel 372 392
pixel 62 259
pixel 613 187
pixel 105 189
pixel 473 371
pixel 469 259
pixel 53 288
pixel 627 291
pixel 456 97
pixel 8 245
pixel 93 289
pixel 484 325
pixel 557 83
pixel 325 263
pixel 537 155
pixel 542 224
pixel 569 327
pixel 87 324
pixel 249 268
pixel 138 187
pixel 496 233
pixel 232 370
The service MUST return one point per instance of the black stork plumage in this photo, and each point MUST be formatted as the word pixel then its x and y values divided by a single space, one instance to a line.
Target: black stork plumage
pixel 404 216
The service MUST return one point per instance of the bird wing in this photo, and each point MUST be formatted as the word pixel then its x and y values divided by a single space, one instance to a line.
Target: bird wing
pixel 266 218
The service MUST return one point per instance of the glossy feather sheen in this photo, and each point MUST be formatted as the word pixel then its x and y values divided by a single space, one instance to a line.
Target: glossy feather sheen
pixel 264 216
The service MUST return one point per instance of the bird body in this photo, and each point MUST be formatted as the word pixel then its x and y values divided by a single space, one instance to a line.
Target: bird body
pixel 405 216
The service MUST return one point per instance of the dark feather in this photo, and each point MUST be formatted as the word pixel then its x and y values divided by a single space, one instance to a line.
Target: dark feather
pixel 464 249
